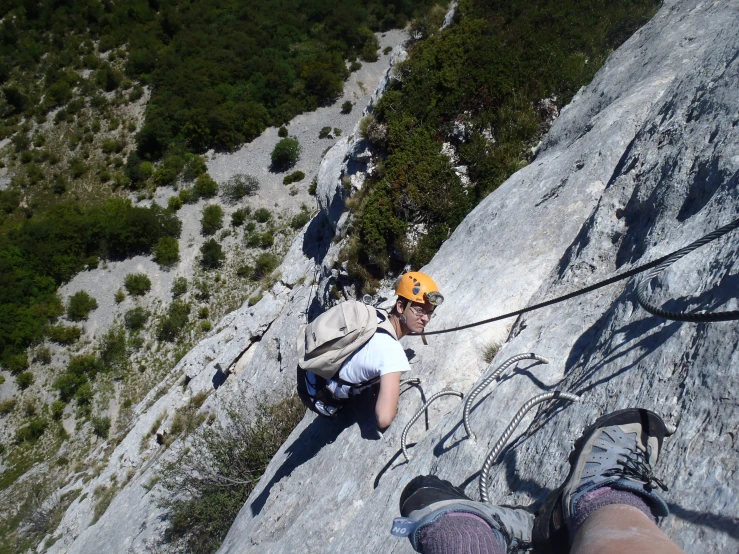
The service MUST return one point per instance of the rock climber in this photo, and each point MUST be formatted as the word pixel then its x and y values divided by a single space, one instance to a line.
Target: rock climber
pixel 381 360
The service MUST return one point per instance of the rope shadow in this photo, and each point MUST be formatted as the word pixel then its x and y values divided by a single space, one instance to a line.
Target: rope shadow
pixel 389 464
pixel 726 524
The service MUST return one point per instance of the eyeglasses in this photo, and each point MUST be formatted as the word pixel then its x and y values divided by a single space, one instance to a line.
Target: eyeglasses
pixel 420 312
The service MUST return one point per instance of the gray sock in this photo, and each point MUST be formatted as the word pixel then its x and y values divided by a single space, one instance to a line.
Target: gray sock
pixel 605 496
pixel 460 532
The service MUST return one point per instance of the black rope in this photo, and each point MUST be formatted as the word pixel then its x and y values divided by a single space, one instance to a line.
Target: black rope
pixel 659 264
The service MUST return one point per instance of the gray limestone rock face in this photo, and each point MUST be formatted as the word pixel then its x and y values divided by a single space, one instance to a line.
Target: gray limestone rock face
pixel 642 162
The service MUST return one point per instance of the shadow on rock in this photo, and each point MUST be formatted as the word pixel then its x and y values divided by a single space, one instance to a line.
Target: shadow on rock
pixel 724 523
pixel 320 432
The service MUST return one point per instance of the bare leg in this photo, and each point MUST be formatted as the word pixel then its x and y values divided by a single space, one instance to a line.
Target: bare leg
pixel 619 529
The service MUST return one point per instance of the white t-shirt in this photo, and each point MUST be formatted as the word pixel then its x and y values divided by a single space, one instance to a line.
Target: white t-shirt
pixel 382 354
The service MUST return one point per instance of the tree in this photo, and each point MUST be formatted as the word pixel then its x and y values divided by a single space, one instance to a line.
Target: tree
pixel 179 287
pixel 137 284
pixel 205 186
pixel 211 255
pixel 80 305
pixel 285 154
pixel 212 219
pixel 167 251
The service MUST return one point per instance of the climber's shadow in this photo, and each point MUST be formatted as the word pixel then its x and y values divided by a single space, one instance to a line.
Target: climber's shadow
pixel 320 432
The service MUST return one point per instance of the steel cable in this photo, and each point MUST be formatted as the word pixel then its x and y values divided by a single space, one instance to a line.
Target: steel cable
pixel 697 317
pixel 489 379
pixel 484 475
pixel 635 271
pixel 404 436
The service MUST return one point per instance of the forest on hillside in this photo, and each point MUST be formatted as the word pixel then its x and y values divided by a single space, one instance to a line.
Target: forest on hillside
pixel 71 73
pixel 477 97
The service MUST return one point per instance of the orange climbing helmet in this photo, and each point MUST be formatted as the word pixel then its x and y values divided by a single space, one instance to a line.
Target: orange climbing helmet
pixel 418 287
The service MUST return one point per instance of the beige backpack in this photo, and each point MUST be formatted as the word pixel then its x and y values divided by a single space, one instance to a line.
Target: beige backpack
pixel 326 342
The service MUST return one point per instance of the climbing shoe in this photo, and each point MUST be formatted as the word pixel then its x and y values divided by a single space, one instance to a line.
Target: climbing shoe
pixel 427 499
pixel 610 464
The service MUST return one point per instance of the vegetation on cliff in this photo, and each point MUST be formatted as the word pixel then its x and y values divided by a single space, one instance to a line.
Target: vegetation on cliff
pixel 476 96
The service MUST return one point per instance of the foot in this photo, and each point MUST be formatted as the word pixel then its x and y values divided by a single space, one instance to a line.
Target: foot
pixel 610 464
pixel 434 509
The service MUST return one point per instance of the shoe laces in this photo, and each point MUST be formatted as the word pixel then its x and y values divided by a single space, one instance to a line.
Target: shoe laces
pixel 635 465
pixel 513 544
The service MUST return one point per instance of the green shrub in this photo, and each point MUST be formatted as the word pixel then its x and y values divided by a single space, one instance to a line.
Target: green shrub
pixel 174 322
pixel 57 410
pixel 101 426
pixel 293 178
pixel 119 296
pixel 212 219
pixel 239 217
pixel 80 305
pixel 174 203
pixel 137 284
pixel 282 132
pixel 387 50
pixel 299 220
pixel 24 380
pixel 324 132
pixel 33 431
pixel 203 312
pixel 113 350
pixel 188 196
pixel 16 363
pixel 239 186
pixel 244 271
pixel 346 107
pixel 265 264
pixel 237 452
pixel 205 326
pixel 313 187
pixel 355 66
pixel 194 167
pixel 211 255
pixel 205 186
pixel 179 287
pixel 285 154
pixel 167 251
pixel 262 215
pixel 6 406
pixel 64 335
pixel 266 240
pixel 136 318
pixel 337 132
pixel 43 355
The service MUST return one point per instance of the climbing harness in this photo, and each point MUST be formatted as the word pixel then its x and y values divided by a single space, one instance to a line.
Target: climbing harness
pixel 404 436
pixel 489 379
pixel 484 475
pixel 659 264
